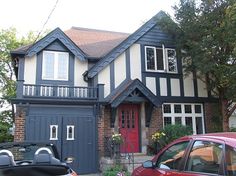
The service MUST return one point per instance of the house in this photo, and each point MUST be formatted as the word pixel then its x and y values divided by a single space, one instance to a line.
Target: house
pixel 76 88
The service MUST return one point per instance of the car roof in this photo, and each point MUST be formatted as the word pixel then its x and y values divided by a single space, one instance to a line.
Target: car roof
pixel 228 137
pixel 23 143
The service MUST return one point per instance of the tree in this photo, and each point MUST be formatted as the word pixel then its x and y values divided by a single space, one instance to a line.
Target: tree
pixel 205 33
pixel 8 42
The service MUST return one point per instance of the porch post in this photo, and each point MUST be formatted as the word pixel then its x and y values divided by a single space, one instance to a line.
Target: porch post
pixel 100 92
pixel 19 88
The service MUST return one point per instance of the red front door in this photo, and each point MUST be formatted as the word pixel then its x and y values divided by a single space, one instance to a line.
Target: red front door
pixel 129 127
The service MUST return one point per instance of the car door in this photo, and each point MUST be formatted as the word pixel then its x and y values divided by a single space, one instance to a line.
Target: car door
pixel 170 160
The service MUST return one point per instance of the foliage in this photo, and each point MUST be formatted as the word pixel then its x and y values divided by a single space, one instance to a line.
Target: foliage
pixel 205 37
pixel 117 138
pixel 5 125
pixel 112 171
pixel 171 132
pixel 9 41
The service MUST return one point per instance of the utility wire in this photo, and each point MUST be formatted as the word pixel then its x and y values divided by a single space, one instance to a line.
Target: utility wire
pixel 49 16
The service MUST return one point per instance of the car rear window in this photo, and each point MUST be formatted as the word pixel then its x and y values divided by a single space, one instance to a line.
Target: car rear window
pixel 25 152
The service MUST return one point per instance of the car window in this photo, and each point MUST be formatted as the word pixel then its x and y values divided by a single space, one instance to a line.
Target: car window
pixel 24 152
pixel 171 158
pixel 231 160
pixel 205 157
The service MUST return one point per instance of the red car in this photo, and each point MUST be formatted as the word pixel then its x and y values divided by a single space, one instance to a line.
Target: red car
pixel 197 155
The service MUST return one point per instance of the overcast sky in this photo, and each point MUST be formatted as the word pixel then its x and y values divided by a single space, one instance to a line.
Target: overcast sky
pixel 114 15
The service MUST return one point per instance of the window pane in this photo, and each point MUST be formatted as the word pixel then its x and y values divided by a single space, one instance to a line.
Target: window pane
pixel 48 65
pixel 178 120
pixel 198 109
pixel 123 119
pixel 177 108
pixel 150 58
pixel 167 108
pixel 172 157
pixel 189 121
pixel 205 157
pixel 167 121
pixel 231 160
pixel 187 109
pixel 199 127
pixel 160 62
pixel 172 62
pixel 63 59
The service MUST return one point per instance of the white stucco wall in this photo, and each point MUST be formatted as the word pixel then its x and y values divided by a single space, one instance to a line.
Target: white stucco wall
pixel 30 70
pixel 151 84
pixel 104 78
pixel 175 87
pixel 188 86
pixel 135 62
pixel 80 68
pixel 163 87
pixel 120 69
pixel 202 90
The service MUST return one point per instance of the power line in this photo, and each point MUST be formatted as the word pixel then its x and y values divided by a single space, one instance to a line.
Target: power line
pixel 49 16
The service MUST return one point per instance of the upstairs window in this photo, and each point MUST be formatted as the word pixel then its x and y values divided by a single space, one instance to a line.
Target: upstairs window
pixel 160 59
pixel 55 65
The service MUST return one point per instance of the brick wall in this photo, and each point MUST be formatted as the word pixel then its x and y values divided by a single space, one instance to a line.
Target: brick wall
pixel 104 130
pixel 156 122
pixel 212 121
pixel 20 124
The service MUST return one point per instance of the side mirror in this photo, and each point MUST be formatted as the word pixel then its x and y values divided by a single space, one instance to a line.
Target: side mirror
pixel 148 164
pixel 69 160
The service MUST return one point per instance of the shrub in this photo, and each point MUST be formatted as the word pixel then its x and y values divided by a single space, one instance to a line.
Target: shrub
pixel 112 171
pixel 168 134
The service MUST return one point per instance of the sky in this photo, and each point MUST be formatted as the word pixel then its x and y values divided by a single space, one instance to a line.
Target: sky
pixel 113 15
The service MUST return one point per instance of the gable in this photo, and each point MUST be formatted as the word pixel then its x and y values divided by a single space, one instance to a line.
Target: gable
pixel 124 45
pixel 156 37
pixel 53 36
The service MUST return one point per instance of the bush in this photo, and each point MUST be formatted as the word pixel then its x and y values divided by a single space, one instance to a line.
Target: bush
pixel 112 171
pixel 167 135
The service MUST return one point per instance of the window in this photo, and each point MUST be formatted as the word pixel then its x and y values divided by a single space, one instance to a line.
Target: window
pixel 160 59
pixel 205 157
pixel 55 65
pixel 172 157
pixel 70 132
pixel 53 132
pixel 185 114
pixel 230 160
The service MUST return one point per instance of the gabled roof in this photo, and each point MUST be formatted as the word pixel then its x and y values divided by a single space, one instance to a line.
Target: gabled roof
pixel 124 45
pixel 127 88
pixel 95 43
pixel 56 34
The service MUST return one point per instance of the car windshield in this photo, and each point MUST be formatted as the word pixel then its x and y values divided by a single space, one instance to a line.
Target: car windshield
pixel 24 152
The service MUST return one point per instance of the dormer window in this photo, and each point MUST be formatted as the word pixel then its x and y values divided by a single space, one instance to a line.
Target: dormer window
pixel 160 59
pixel 55 65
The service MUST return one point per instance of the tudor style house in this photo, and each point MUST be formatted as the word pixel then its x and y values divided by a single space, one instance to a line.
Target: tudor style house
pixel 75 88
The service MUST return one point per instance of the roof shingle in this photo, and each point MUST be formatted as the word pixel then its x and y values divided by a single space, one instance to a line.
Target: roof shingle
pixel 95 43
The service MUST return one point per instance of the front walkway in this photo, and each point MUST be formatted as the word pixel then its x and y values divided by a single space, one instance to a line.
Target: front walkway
pixel 139 158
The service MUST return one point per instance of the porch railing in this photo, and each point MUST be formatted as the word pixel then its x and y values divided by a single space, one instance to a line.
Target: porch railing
pixel 51 91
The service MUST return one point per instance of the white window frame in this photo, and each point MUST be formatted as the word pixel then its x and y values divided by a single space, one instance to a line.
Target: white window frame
pixel 165 59
pixel 183 115
pixel 67 132
pixel 51 131
pixel 56 63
